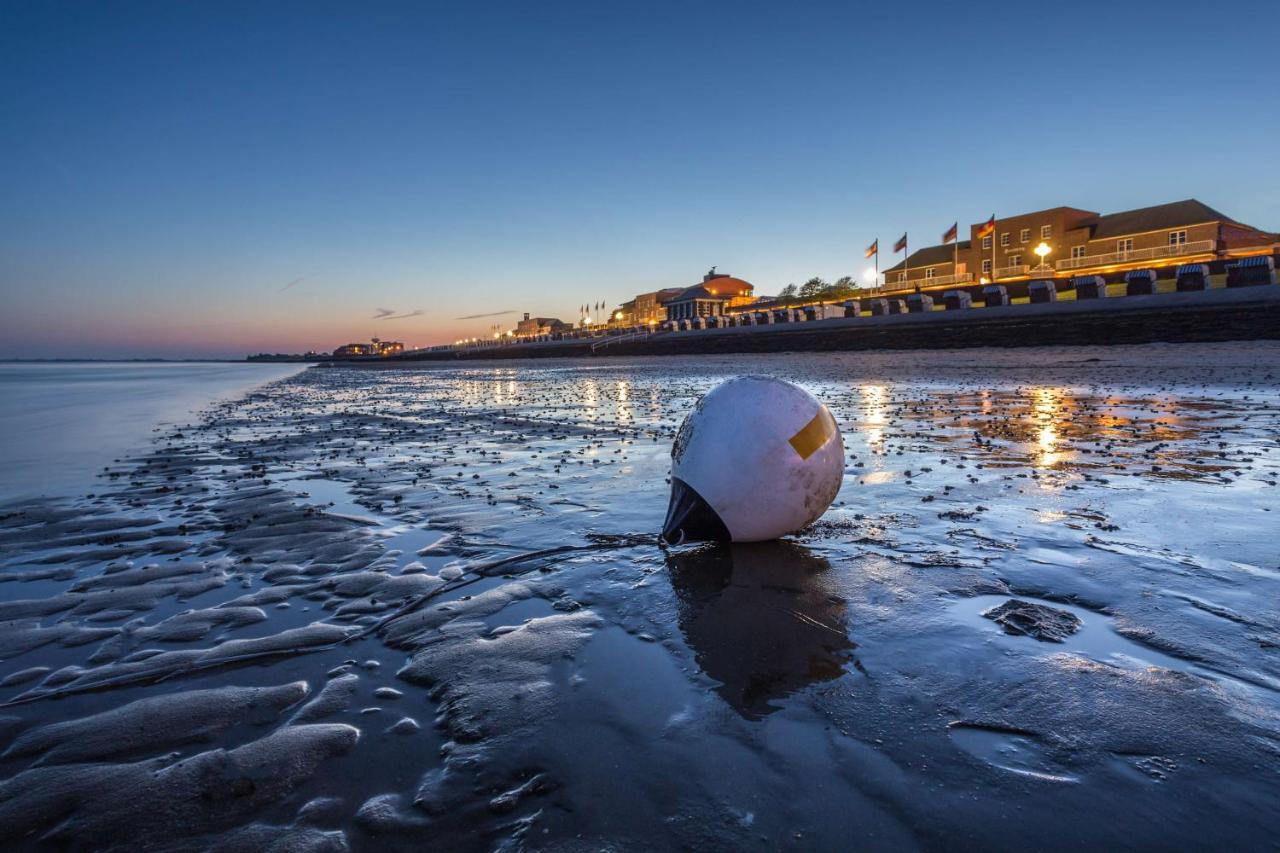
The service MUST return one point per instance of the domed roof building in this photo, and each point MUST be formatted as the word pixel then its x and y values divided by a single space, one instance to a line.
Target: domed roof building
pixel 709 299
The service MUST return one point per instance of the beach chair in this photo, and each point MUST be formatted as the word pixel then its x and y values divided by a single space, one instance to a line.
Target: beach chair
pixel 1191 277
pixel 995 295
pixel 1090 287
pixel 1251 272
pixel 852 308
pixel 957 300
pixel 1043 290
pixel 919 303
pixel 1140 282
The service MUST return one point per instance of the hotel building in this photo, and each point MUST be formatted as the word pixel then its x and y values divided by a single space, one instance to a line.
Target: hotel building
pixel 1081 242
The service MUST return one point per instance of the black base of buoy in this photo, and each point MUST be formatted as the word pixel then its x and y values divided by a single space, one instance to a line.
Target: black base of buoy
pixel 690 518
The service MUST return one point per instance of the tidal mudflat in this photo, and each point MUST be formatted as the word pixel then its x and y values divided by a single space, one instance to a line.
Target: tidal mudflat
pixel 426 609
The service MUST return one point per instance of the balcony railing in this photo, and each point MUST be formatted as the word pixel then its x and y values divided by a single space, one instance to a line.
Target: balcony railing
pixel 1010 272
pixel 935 281
pixel 1176 250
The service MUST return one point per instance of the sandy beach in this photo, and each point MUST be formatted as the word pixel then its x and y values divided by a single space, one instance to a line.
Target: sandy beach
pixel 426 608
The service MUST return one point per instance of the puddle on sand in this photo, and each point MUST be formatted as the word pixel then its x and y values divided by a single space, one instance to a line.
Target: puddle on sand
pixel 1017 752
pixel 1096 640
pixel 330 496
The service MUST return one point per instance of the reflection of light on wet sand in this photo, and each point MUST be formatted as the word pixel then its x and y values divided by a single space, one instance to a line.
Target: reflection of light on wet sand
pixel 623 406
pixel 875 417
pixel 1045 409
pixel 873 398
pixel 877 477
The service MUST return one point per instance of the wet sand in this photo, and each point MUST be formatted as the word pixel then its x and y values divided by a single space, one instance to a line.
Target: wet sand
pixel 426 609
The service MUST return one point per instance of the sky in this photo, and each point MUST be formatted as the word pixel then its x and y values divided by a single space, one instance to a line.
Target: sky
pixel 185 179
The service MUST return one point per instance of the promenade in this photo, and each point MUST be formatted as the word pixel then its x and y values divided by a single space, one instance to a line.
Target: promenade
pixel 1246 313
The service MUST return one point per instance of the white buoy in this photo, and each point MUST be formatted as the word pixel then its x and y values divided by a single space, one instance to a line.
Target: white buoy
pixel 757 458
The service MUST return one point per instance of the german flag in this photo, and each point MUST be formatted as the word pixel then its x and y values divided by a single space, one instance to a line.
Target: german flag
pixel 873 249
pixel 901 244
pixel 951 233
pixel 988 228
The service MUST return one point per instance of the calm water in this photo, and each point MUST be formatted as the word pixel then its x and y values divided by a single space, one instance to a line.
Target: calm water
pixel 61 423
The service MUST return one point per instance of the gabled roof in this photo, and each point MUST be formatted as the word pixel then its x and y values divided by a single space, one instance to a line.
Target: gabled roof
pixel 932 256
pixel 1157 218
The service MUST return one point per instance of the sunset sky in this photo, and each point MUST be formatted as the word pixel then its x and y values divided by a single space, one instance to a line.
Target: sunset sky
pixel 213 179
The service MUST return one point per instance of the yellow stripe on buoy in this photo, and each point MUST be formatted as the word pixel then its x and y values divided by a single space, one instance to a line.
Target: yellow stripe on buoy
pixel 814 434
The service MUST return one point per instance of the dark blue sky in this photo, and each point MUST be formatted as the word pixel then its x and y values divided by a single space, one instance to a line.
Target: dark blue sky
pixel 168 169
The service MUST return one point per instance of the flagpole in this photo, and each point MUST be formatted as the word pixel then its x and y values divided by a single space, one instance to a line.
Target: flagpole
pixel 875 285
pixel 994 226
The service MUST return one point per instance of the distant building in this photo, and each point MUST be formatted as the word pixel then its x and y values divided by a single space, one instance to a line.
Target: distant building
pixel 533 326
pixel 710 298
pixel 651 308
pixel 376 347
pixel 1080 242
pixel 624 314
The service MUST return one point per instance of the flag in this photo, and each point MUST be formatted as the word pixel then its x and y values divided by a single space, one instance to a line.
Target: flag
pixel 989 227
pixel 951 233
pixel 873 249
pixel 901 244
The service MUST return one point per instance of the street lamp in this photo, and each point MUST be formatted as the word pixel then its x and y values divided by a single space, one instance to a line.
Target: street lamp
pixel 1042 250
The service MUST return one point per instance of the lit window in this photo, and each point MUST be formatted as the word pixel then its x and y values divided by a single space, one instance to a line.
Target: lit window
pixel 1125 245
pixel 1015 260
pixel 986 265
pixel 930 272
pixel 1024 236
pixel 1077 251
pixel 1004 239
pixel 986 242
pixel 1177 238
pixel 902 276
pixel 1046 231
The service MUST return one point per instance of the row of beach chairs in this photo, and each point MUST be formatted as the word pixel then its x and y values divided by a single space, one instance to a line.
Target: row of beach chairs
pixel 1247 272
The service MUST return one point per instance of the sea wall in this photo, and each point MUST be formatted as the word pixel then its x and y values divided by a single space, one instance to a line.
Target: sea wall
pixel 1216 315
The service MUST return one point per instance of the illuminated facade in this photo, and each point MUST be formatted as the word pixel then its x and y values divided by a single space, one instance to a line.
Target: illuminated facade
pixel 532 326
pixel 651 308
pixel 1081 242
pixel 376 347
pixel 711 298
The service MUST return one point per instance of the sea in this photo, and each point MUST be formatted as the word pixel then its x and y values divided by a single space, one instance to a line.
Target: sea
pixel 62 422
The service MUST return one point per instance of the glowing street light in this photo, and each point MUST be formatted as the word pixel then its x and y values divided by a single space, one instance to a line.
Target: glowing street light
pixel 1042 250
